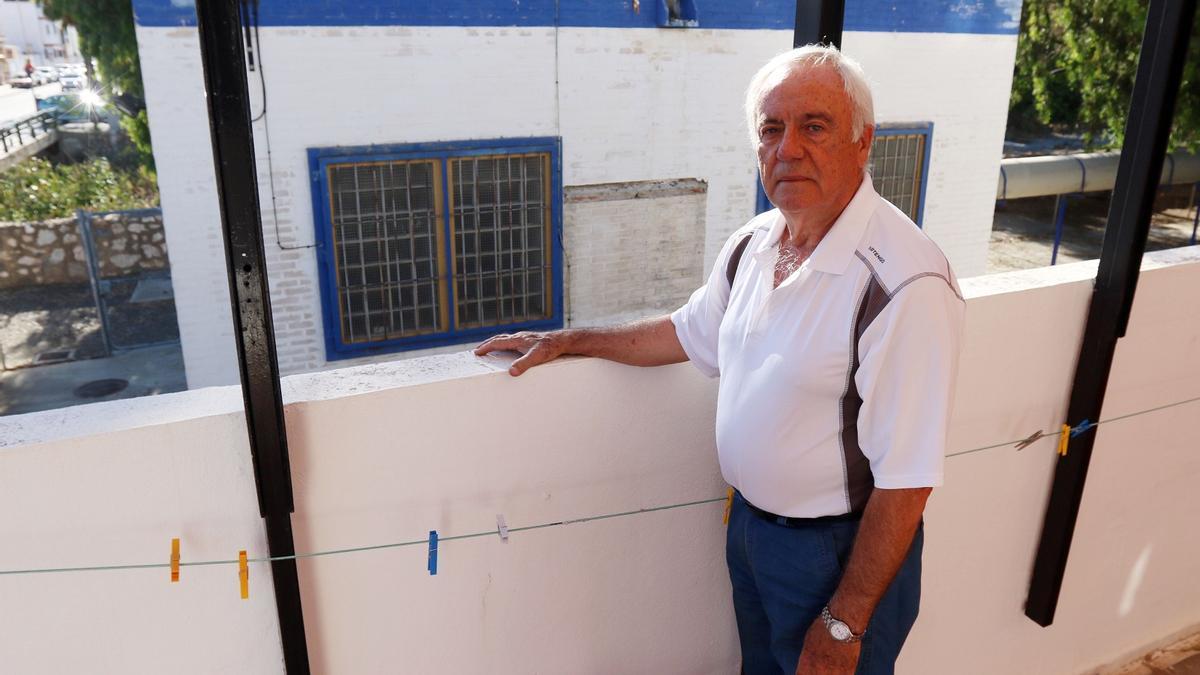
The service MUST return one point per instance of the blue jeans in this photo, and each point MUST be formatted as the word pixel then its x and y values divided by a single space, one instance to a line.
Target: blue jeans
pixel 781 579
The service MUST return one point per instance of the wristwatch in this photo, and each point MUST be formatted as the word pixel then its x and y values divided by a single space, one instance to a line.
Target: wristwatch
pixel 838 628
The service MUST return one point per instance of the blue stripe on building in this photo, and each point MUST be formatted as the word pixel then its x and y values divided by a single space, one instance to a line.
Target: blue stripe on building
pixel 996 17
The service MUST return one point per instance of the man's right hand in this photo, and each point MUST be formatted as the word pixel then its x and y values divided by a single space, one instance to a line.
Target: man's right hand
pixel 536 348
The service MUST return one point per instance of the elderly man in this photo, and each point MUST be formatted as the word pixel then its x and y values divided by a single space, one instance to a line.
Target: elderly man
pixel 834 324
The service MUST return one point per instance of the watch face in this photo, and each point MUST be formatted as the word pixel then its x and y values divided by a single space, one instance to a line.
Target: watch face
pixel 839 631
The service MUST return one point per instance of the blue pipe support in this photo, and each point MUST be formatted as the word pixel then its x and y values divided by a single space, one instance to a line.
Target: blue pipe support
pixel 1060 215
pixel 1196 218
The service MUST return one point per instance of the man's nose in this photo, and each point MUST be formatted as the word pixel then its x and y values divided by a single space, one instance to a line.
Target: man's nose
pixel 791 145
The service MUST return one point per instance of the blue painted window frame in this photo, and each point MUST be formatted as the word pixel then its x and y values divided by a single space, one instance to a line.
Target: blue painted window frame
pixel 904 129
pixel 319 159
pixel 762 204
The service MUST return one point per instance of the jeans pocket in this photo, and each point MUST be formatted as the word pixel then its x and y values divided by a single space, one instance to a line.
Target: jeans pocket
pixel 840 541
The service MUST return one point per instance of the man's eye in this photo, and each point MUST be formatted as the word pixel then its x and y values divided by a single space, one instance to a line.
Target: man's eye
pixel 816 128
pixel 767 131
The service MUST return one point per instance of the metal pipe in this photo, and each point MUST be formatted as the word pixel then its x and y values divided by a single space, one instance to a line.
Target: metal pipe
pixel 228 99
pixel 1083 172
pixel 1151 108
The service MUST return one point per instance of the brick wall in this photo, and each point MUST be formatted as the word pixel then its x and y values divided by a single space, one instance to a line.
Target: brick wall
pixel 633 249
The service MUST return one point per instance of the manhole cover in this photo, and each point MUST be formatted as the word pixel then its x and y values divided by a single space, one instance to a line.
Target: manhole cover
pixel 98 388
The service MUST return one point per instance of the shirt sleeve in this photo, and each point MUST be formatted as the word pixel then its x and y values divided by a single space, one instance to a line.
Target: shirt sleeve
pixel 698 321
pixel 908 365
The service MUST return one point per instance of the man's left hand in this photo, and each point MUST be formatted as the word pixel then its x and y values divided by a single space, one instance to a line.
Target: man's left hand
pixel 822 655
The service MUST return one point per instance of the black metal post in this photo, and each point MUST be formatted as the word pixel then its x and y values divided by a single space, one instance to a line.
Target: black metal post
pixel 819 21
pixel 228 99
pixel 1151 107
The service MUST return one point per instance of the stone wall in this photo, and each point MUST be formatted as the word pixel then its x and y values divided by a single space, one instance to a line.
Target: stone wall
pixel 51 251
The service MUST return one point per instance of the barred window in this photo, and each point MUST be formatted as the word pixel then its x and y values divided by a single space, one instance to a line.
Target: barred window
pixel 899 155
pixel 436 244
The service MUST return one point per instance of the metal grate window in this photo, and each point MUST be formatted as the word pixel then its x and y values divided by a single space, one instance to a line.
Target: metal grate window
pixel 501 232
pixel 436 243
pixel 386 249
pixel 897 167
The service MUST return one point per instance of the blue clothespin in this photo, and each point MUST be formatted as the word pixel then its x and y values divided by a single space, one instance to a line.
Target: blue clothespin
pixel 1081 427
pixel 433 541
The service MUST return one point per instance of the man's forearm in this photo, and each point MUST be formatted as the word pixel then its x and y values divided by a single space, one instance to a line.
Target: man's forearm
pixel 884 537
pixel 648 342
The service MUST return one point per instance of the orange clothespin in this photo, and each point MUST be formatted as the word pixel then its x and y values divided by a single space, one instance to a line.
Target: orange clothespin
pixel 175 560
pixel 1064 438
pixel 244 574
pixel 728 505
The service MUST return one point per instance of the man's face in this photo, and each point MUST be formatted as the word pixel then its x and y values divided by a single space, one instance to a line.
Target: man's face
pixel 807 155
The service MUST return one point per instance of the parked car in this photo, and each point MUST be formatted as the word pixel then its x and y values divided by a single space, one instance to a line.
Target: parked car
pixel 47 74
pixel 22 82
pixel 68 108
pixel 71 81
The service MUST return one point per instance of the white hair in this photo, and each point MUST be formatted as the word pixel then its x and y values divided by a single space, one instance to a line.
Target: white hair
pixel 811 56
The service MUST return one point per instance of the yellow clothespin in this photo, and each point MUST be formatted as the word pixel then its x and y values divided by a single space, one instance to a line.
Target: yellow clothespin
pixel 728 505
pixel 1063 439
pixel 175 560
pixel 244 574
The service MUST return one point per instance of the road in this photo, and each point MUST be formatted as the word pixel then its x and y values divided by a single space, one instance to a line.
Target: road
pixel 15 103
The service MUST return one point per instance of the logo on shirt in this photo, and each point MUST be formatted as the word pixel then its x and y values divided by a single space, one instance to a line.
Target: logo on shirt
pixel 876 254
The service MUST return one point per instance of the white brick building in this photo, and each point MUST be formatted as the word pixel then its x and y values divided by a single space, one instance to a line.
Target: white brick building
pixel 30 35
pixel 634 136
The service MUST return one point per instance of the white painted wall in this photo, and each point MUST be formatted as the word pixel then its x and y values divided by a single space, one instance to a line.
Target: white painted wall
pixel 629 104
pixel 385 452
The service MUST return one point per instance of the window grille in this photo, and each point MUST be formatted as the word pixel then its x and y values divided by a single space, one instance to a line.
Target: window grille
pixel 436 243
pixel 501 231
pixel 386 244
pixel 898 166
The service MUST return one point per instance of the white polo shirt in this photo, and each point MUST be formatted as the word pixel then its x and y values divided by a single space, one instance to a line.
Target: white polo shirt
pixel 841 379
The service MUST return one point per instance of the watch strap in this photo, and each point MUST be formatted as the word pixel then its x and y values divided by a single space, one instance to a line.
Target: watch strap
pixel 830 619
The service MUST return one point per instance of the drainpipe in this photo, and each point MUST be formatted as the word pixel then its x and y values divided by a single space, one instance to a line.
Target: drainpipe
pixel 228 100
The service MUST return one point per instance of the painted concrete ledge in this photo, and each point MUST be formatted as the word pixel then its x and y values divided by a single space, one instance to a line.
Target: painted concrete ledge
pixel 1041 277
pixel 114 416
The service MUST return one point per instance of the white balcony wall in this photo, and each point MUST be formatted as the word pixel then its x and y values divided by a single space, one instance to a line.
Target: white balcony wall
pixel 386 452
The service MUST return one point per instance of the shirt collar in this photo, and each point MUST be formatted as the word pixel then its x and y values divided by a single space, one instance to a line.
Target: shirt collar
pixel 836 249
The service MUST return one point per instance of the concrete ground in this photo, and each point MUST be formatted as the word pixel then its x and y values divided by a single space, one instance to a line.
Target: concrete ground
pixel 1023 229
pixel 149 370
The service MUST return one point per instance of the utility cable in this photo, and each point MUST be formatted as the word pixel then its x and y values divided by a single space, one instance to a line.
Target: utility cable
pixel 255 55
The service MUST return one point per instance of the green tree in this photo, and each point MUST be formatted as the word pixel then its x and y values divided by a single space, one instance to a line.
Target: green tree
pixel 1076 61
pixel 106 34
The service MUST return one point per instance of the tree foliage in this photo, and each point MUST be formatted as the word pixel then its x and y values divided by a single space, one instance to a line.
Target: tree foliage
pixel 37 189
pixel 106 35
pixel 1076 61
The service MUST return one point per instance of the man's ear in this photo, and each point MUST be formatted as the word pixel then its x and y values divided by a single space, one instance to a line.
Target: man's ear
pixel 864 148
